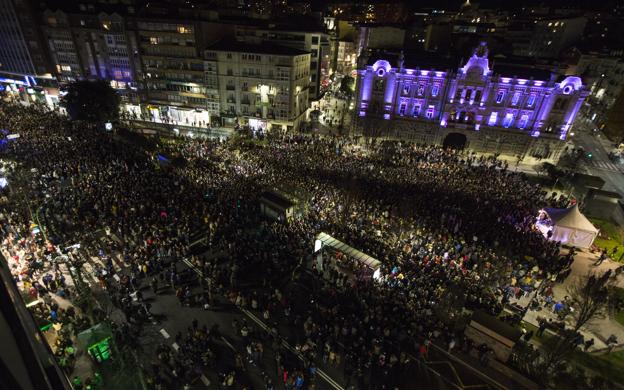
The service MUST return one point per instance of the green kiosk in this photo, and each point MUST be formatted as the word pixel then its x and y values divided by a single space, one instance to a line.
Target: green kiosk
pixel 96 340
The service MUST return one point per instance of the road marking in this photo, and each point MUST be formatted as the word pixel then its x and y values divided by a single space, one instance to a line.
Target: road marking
pixel 228 343
pixel 479 373
pixel 255 319
pixel 33 303
pixel 321 373
pixel 175 346
pixel 205 380
pixel 164 333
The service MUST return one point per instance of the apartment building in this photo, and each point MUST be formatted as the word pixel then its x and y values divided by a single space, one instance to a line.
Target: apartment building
pixel 172 70
pixel 346 57
pixel 604 75
pixel 312 40
pixel 92 46
pixel 262 86
pixel 544 37
pixel 22 50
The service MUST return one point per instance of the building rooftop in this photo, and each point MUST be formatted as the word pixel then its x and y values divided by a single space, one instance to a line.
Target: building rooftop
pixel 264 48
pixel 412 60
pixel 303 24
pixel 522 71
pixel 432 61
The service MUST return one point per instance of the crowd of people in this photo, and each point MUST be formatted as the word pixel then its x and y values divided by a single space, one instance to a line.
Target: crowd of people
pixel 443 224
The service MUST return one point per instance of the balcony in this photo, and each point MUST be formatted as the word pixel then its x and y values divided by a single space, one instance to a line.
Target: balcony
pixel 230 87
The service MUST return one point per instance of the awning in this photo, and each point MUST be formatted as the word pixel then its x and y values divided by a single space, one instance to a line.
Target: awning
pixel 362 257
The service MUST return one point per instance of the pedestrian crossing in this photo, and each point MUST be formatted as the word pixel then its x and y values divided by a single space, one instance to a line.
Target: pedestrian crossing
pixel 604 165
pixel 90 266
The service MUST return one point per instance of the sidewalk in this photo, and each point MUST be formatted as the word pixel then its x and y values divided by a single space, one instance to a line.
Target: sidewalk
pixel 599 329
pixel 169 129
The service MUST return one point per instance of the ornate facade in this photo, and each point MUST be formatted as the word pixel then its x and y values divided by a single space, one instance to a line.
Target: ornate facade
pixel 510 109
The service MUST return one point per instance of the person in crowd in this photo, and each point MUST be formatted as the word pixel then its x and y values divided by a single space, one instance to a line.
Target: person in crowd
pixel 436 219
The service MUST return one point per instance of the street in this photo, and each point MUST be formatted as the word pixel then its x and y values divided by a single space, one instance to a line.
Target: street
pixel 600 164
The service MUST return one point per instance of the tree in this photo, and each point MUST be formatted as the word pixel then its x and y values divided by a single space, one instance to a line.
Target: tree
pixel 347 85
pixel 590 297
pixel 93 101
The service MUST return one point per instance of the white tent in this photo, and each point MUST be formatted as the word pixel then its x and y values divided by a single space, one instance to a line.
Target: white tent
pixel 571 227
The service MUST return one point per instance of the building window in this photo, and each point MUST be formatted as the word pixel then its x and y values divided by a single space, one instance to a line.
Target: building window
pixel 416 110
pixel 508 119
pixel 478 96
pixel 524 119
pixel 515 99
pixel 493 119
pixel 153 41
pixel 421 90
pixel 500 96
pixel 402 109
pixel 379 85
pixel 531 101
pixel 560 104
pixel 435 90
pixel 406 89
pixel 430 112
pixel 315 40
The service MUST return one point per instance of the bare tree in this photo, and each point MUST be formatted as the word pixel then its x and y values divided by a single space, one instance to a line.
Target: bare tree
pixel 590 296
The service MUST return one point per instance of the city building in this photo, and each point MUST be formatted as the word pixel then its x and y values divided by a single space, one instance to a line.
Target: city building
pixel 380 37
pixel 89 45
pixel 506 109
pixel 346 57
pixel 172 72
pixel 262 86
pixel 22 51
pixel 604 75
pixel 312 39
pixel 549 36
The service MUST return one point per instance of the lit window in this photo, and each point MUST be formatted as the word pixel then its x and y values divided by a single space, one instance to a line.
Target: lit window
pixel 416 110
pixel 531 100
pixel 500 96
pixel 508 119
pixel 493 119
pixel 435 90
pixel 515 99
pixel 421 90
pixel 183 30
pixel 524 119
pixel 402 109
pixel 406 90
pixel 153 41
pixel 430 112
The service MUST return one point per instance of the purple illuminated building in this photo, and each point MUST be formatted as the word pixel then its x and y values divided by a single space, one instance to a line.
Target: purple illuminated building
pixel 504 109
